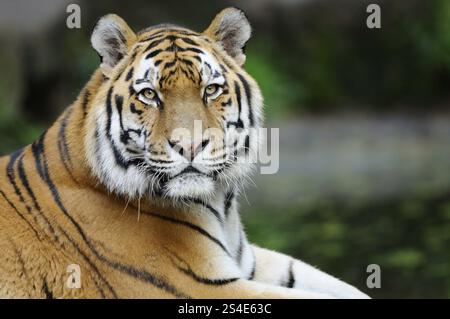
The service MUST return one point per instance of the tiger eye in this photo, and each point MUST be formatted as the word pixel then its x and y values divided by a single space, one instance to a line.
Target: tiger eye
pixel 211 89
pixel 148 94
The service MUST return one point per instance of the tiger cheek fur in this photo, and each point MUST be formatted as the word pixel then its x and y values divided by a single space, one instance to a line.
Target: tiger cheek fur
pixel 137 210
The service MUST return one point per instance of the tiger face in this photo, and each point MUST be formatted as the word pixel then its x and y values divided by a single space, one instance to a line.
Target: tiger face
pixel 176 115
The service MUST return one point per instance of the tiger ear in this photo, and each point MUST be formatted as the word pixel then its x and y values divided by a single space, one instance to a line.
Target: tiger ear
pixel 111 38
pixel 231 29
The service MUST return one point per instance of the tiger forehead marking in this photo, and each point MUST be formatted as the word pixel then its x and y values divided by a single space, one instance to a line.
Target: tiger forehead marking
pixel 174 57
pixel 174 53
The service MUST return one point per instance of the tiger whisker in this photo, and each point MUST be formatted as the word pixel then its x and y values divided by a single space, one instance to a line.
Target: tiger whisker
pixel 126 205
pixel 139 208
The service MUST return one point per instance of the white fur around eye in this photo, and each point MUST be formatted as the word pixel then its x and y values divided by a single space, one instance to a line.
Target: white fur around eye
pixel 215 94
pixel 148 97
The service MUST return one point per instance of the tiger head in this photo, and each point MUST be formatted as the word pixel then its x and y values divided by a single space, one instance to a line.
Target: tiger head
pixel 175 115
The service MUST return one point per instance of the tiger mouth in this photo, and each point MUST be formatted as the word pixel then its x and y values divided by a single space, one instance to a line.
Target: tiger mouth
pixel 190 170
pixel 189 174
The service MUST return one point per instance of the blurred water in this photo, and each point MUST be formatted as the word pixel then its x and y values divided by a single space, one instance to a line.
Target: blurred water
pixel 357 157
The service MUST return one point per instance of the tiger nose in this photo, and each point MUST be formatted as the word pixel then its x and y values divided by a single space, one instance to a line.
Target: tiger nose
pixel 187 148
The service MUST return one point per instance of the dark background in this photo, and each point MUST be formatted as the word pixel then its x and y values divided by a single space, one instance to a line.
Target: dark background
pixel 363 115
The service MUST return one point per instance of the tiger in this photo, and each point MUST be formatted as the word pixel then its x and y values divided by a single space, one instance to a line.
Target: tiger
pixel 109 203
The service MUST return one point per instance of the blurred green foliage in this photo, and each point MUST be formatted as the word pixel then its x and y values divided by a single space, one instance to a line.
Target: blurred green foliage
pixel 17 133
pixel 333 62
pixel 408 237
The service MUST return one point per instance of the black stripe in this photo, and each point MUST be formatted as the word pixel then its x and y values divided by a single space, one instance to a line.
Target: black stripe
pixel 133 56
pixel 208 281
pixel 171 37
pixel 207 206
pixel 153 36
pixel 185 61
pixel 240 248
pixel 224 69
pixel 247 145
pixel 159 161
pixel 85 101
pixel 131 90
pixel 153 53
pixel 209 67
pixel 252 273
pixel 125 134
pixel 237 90
pixel 129 74
pixel 11 176
pixel 142 275
pixel 154 44
pixel 196 50
pixel 63 147
pixel 228 201
pixel 18 213
pixel 235 152
pixel 199 60
pixel 133 109
pixel 248 93
pixel 120 161
pixel 169 64
pixel 189 41
pixel 21 261
pixel 165 31
pixel 291 278
pixel 38 151
pixel 119 106
pixel 193 227
pixel 189 74
pixel 226 103
pixel 238 124
pixel 26 184
pixel 119 75
pixel 186 32
pixel 47 292
pixel 62 137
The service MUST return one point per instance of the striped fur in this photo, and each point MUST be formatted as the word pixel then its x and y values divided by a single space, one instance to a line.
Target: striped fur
pixel 105 187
